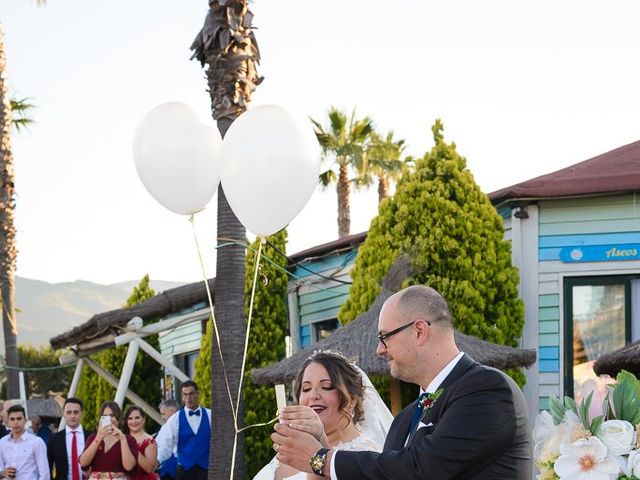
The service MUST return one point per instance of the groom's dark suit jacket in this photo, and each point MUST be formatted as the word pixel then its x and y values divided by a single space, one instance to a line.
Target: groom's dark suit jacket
pixel 57 454
pixel 477 429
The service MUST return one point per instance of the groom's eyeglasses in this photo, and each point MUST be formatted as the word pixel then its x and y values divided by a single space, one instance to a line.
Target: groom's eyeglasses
pixel 383 336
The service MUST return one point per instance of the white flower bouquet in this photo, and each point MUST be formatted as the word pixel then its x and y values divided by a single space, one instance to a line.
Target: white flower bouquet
pixel 569 445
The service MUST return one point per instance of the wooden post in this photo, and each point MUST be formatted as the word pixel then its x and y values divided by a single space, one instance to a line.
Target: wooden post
pixel 127 371
pixel 73 388
pixel 153 353
pixel 113 381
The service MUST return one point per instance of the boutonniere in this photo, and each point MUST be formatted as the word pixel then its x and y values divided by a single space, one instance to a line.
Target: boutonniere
pixel 428 401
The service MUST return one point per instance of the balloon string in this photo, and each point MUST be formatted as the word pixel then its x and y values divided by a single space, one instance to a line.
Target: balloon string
pixel 231 242
pixel 213 318
pixel 246 346
pixel 264 424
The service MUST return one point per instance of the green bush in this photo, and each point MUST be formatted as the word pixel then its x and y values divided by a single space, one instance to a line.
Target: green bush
pixel 441 218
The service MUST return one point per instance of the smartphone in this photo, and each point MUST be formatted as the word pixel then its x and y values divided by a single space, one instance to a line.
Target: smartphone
pixel 105 420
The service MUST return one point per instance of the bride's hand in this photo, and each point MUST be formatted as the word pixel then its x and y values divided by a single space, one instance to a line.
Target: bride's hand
pixel 305 419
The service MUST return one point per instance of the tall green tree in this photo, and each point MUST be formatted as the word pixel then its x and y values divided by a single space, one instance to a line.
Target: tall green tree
pixel 202 374
pixel 344 141
pixel 147 373
pixel 269 327
pixel 43 372
pixel 440 217
pixel 227 46
pixel 383 162
pixel 266 344
pixel 8 249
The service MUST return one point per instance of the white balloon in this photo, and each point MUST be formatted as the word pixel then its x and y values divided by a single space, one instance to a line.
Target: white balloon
pixel 177 157
pixel 270 167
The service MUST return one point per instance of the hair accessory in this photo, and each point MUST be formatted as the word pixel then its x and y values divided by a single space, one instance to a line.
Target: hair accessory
pixel 331 352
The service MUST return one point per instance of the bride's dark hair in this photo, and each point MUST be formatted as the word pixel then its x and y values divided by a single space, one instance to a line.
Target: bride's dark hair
pixel 344 377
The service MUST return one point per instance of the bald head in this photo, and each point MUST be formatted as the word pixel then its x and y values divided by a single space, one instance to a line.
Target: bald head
pixel 419 301
pixel 416 334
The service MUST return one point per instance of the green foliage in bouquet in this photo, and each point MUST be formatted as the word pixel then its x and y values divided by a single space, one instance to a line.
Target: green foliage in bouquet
pixel 626 398
pixel 569 444
pixel 558 410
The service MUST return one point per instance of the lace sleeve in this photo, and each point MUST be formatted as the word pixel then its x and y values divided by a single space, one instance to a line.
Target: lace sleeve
pixel 358 444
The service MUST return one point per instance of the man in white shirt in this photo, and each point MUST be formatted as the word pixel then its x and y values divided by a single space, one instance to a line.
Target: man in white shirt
pixel 168 467
pixel 188 433
pixel 61 451
pixel 23 456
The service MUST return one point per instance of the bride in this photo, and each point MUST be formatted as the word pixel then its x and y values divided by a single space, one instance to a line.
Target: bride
pixel 351 414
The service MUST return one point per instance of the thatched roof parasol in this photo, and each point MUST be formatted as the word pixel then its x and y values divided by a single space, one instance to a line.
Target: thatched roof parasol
pixel 358 340
pixel 625 358
pixel 45 407
pixel 168 302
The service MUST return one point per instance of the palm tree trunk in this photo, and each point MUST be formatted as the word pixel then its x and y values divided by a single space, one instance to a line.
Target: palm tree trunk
pixel 383 188
pixel 227 46
pixel 344 200
pixel 230 318
pixel 8 251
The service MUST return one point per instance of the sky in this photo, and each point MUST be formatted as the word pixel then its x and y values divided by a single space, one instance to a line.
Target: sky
pixel 523 88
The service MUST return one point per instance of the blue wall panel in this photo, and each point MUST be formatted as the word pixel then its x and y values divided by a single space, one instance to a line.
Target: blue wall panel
pixel 549 366
pixel 549 353
pixel 305 335
pixel 551 246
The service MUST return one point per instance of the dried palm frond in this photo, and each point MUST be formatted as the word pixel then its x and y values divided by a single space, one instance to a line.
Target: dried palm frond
pixel 227 45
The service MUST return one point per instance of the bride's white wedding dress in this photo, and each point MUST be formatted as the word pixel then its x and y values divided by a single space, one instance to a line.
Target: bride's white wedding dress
pixel 373 431
pixel 361 442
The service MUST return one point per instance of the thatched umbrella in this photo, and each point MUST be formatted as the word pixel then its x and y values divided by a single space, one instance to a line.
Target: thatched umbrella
pixel 358 340
pixel 48 408
pixel 625 358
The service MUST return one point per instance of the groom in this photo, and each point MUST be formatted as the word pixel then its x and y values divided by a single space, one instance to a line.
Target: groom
pixel 471 422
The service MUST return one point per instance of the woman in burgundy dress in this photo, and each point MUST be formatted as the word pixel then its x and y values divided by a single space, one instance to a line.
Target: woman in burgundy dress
pixel 147 449
pixel 110 454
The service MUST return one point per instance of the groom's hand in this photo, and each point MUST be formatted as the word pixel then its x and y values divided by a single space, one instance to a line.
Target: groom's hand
pixel 294 448
pixel 305 419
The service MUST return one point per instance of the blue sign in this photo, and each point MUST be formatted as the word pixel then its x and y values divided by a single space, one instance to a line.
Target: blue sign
pixel 600 253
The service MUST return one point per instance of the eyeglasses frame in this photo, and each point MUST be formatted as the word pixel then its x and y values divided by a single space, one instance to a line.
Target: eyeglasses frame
pixel 383 336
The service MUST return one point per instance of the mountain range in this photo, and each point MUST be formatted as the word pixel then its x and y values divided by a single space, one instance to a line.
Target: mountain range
pixel 49 309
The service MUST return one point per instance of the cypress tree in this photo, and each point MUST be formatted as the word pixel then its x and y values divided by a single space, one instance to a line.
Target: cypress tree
pixel 202 374
pixel 266 345
pixel 441 218
pixel 269 327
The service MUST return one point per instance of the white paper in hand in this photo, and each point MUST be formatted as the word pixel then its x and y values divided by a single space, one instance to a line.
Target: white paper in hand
pixel 281 397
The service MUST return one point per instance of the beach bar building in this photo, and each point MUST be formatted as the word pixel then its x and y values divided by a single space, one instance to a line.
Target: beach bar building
pixel 575 236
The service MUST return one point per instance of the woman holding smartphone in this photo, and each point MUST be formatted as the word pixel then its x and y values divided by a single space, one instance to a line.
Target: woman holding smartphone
pixel 109 453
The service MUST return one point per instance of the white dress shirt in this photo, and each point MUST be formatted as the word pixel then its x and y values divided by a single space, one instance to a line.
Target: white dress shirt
pixel 167 438
pixel 28 454
pixel 79 442
pixel 431 388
